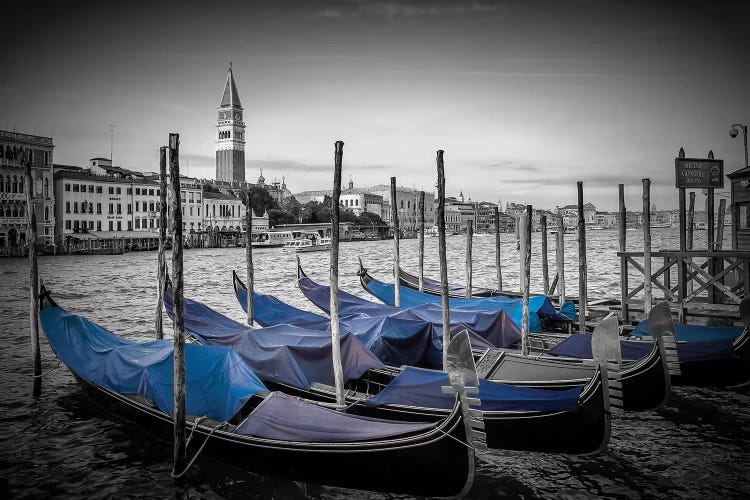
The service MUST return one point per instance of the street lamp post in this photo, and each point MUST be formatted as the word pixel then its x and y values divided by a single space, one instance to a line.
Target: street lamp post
pixel 738 128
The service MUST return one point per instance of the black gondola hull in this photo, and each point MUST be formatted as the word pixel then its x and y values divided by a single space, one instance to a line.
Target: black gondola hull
pixel 406 466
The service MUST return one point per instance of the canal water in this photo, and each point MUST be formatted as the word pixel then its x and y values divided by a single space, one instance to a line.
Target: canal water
pixel 60 446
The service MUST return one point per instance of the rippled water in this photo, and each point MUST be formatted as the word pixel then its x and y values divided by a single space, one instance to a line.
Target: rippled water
pixel 59 445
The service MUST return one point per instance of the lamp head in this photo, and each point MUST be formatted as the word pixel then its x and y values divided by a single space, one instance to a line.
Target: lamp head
pixel 733 132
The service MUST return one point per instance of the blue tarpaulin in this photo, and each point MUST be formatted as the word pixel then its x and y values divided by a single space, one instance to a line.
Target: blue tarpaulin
pixel 694 333
pixel 422 388
pixel 540 305
pixel 394 342
pixel 283 353
pixel 219 382
pixel 578 345
pixel 289 419
pixel 493 326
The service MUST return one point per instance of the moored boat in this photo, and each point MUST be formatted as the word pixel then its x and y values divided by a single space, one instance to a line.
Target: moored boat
pixel 238 420
pixel 644 384
pixel 514 417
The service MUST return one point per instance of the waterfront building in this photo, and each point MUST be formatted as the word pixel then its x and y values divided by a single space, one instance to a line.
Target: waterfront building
pixel 103 201
pixel 484 216
pixel 377 199
pixel 569 214
pixel 359 201
pixel 15 150
pixel 230 135
pixel 407 203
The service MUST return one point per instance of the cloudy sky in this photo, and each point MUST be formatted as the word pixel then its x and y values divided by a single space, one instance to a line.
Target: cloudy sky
pixel 525 97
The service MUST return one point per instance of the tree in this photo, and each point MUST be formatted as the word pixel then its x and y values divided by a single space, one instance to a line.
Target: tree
pixel 260 200
pixel 292 207
pixel 370 219
pixel 277 217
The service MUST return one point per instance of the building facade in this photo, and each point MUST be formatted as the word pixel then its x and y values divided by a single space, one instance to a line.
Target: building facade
pixel 15 150
pixel 104 199
pixel 230 135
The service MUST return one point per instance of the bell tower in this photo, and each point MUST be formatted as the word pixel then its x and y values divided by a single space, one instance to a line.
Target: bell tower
pixel 230 137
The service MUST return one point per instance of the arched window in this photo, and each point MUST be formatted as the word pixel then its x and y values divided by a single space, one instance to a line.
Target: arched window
pixel 20 186
pixel 402 203
pixel 46 188
pixel 15 210
pixel 14 186
pixel 46 214
pixel 214 210
pixel 21 211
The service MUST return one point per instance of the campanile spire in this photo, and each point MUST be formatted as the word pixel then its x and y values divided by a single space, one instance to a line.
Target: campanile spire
pixel 230 139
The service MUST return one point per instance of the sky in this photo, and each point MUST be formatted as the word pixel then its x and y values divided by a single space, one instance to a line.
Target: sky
pixel 525 97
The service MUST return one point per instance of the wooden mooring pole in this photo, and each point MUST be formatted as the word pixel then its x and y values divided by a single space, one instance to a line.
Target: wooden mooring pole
pixel 421 241
pixel 179 308
pixel 623 248
pixel 526 238
pixel 443 256
pixel 498 264
pixel 682 267
pixel 161 266
pixel 646 247
pixel 690 234
pixel 338 371
pixel 560 260
pixel 582 268
pixel 710 222
pixel 469 238
pixel 36 354
pixel 396 260
pixel 545 263
pixel 249 262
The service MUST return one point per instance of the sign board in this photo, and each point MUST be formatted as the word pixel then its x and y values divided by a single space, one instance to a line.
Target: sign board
pixel 699 173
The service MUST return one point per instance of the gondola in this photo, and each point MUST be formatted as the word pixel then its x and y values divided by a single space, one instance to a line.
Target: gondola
pixel 721 360
pixel 514 417
pixel 645 381
pixel 271 433
pixel 458 291
pixel 543 315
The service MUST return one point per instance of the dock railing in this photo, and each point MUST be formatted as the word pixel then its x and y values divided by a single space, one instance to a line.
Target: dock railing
pixel 705 280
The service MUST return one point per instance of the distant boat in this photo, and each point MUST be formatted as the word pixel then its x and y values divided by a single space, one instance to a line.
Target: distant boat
pixel 700 225
pixel 308 245
pixel 596 227
pixel 657 225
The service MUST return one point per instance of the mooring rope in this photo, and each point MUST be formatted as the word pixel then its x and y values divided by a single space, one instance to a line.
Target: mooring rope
pixel 51 369
pixel 218 426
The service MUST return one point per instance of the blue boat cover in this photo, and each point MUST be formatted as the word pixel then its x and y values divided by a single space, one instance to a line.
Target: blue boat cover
pixel 540 305
pixel 289 419
pixel 578 345
pixel 219 382
pixel 493 326
pixel 394 342
pixel 422 388
pixel 269 311
pixel 694 333
pixel 285 354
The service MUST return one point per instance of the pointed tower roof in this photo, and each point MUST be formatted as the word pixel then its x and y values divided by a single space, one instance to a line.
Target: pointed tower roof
pixel 231 98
